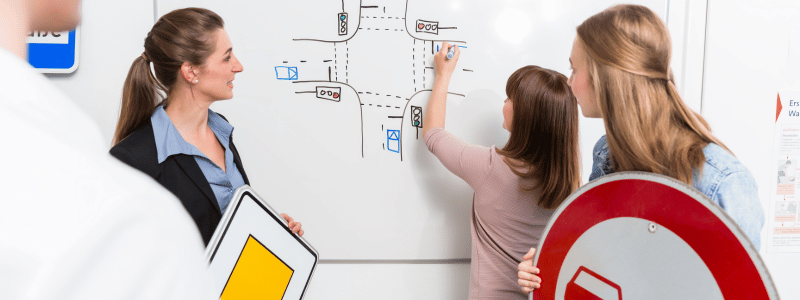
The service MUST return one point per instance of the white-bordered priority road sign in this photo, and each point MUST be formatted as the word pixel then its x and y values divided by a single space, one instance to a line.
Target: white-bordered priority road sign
pixel 54 52
pixel 254 255
pixel 633 235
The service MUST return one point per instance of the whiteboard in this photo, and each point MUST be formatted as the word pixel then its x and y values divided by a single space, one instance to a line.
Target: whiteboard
pixel 352 168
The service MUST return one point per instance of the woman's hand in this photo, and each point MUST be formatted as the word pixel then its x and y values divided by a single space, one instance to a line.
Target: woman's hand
pixel 444 66
pixel 437 103
pixel 294 226
pixel 528 280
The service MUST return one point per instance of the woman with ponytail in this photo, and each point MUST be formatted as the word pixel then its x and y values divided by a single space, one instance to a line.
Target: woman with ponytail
pixel 166 128
pixel 620 72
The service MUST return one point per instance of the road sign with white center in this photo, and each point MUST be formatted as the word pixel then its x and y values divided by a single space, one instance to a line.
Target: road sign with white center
pixel 634 235
pixel 54 52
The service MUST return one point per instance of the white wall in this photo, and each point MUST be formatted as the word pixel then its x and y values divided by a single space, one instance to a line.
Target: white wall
pixel 112 36
pixel 744 64
pixel 747 45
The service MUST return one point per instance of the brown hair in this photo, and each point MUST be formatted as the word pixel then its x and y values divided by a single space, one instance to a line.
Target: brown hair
pixel 544 133
pixel 183 35
pixel 648 126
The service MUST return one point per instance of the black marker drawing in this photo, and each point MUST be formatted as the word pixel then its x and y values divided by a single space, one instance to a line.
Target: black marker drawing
pixel 384 101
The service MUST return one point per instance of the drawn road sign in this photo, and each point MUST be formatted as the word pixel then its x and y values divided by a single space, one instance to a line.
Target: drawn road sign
pixel 393 140
pixel 633 235
pixel 286 73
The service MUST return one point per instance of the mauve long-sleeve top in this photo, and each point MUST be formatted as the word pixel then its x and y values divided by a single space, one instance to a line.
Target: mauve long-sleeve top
pixel 506 221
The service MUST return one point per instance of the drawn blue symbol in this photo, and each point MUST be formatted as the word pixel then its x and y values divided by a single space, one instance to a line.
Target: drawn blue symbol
pixel 459 46
pixel 286 73
pixel 393 140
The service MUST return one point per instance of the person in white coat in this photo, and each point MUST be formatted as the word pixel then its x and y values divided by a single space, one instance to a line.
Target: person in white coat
pixel 76 223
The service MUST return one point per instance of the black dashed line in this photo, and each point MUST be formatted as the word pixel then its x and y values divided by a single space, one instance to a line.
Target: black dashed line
pixel 336 61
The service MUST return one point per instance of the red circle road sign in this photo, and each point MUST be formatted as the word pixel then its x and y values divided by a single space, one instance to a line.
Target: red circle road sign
pixel 633 235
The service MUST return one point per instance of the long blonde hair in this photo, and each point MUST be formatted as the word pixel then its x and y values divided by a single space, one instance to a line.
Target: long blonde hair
pixel 648 126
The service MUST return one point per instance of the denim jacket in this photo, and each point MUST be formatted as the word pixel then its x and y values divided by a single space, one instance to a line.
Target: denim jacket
pixel 724 179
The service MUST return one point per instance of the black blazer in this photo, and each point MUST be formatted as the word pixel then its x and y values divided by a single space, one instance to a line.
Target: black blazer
pixel 180 174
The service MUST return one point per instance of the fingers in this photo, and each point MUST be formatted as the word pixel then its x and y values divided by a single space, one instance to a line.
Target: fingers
pixel 529 255
pixel 296 227
pixel 528 268
pixel 444 49
pixel 527 278
pixel 287 218
pixel 528 282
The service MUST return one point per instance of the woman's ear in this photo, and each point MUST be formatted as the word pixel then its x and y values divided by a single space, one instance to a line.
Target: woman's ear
pixel 188 73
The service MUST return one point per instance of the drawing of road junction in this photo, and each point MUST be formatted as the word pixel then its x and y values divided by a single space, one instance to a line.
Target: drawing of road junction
pixel 380 58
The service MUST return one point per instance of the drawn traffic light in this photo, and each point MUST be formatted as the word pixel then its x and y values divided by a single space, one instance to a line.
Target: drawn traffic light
pixel 329 93
pixel 428 26
pixel 416 118
pixel 342 23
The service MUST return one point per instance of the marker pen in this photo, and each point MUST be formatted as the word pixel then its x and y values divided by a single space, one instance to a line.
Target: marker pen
pixel 451 52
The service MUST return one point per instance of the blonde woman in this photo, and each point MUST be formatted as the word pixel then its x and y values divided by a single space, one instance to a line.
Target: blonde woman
pixel 620 72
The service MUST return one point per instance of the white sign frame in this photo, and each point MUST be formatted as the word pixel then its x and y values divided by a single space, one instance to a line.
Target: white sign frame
pixel 249 215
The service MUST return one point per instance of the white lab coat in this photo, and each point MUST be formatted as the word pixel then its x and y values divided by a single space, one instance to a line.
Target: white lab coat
pixel 75 223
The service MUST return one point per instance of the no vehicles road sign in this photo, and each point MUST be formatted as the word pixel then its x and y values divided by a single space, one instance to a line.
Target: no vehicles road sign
pixel 633 235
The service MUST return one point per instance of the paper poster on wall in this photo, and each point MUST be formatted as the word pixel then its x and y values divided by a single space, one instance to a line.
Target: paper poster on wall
pixel 783 226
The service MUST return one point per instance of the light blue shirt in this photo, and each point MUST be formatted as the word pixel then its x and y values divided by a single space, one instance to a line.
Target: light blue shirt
pixel 170 142
pixel 724 179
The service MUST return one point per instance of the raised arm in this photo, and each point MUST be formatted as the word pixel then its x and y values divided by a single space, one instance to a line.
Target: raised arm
pixel 437 104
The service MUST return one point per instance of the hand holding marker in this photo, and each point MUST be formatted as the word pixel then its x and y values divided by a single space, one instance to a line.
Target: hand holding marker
pixel 451 52
pixel 446 59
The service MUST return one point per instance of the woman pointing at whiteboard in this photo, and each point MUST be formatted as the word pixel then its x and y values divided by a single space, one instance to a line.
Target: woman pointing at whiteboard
pixel 177 139
pixel 516 187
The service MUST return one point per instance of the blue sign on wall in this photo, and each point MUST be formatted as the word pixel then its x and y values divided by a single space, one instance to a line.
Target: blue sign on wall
pixel 54 52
